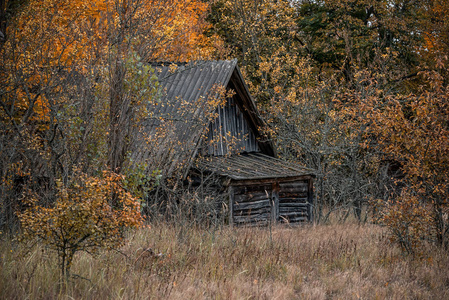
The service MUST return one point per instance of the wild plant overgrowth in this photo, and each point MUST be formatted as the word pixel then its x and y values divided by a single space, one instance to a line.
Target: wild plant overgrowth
pixel 178 260
pixel 90 214
pixel 358 91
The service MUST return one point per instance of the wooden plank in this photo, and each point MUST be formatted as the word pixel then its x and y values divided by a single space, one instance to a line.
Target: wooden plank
pixel 290 216
pixel 257 163
pixel 252 197
pixel 239 190
pixel 293 200
pixel 285 165
pixel 237 123
pixel 293 214
pixel 252 218
pixel 270 179
pixel 288 210
pixel 296 189
pixel 294 205
pixel 252 166
pixel 293 195
pixel 252 212
pixel 251 205
pixel 310 200
pixel 233 115
pixel 274 204
pixel 220 127
pixel 299 184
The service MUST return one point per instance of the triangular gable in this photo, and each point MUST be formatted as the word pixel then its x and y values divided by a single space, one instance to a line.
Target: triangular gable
pixel 230 132
pixel 179 120
pixel 251 112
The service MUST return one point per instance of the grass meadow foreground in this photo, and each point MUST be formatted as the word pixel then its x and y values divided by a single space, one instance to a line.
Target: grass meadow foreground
pixel 346 261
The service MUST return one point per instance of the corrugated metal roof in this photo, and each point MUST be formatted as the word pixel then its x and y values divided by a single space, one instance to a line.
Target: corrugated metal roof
pixel 251 166
pixel 177 120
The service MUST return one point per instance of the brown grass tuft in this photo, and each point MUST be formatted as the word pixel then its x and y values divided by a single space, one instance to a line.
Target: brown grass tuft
pixel 346 261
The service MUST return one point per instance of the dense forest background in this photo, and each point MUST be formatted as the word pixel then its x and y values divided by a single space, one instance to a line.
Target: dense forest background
pixel 355 89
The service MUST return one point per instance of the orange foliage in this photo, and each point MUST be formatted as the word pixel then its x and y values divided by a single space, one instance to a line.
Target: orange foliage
pixel 89 214
pixel 435 25
pixel 185 31
pixel 413 131
pixel 409 220
pixel 53 35
pixel 71 25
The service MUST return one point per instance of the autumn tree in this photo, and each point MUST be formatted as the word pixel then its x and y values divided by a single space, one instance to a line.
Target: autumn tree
pixel 435 29
pixel 411 130
pixel 339 37
pixel 344 36
pixel 154 30
pixel 83 217
pixel 294 78
pixel 406 125
pixel 75 85
pixel 261 34
pixel 306 59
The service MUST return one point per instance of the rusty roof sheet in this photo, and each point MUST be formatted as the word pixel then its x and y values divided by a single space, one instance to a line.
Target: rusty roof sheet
pixel 252 166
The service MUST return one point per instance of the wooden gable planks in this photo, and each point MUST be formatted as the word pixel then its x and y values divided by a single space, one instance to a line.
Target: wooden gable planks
pixel 181 113
pixel 229 132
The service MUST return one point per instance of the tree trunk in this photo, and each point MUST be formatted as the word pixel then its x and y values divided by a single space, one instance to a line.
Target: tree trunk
pixel 118 116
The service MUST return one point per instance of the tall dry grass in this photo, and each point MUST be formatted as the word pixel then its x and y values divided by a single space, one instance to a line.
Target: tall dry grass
pixel 346 261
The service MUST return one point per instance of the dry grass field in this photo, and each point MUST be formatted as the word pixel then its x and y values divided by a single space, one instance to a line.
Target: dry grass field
pixel 346 261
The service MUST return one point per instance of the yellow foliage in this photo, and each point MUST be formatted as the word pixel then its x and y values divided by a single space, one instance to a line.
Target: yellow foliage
pixel 52 38
pixel 89 214
pixel 411 130
pixel 409 221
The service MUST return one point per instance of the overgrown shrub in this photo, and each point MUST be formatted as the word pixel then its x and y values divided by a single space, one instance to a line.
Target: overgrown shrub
pixel 409 222
pixel 90 213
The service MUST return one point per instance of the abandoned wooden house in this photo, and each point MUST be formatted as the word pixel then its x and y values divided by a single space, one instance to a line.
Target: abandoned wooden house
pixel 205 121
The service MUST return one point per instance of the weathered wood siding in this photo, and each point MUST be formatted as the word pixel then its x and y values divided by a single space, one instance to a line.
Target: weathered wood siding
pixel 293 201
pixel 285 202
pixel 251 204
pixel 230 132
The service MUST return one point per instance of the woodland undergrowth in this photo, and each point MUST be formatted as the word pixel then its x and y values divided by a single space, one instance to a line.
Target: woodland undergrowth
pixel 166 261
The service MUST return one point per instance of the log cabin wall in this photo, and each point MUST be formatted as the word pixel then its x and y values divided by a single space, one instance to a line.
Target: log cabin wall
pixel 294 201
pixel 262 203
pixel 252 204
pixel 261 188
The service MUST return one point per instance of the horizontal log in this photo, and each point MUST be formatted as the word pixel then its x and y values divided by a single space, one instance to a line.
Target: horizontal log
pixel 269 180
pixel 255 218
pixel 292 195
pixel 252 205
pixel 292 209
pixel 298 189
pixel 252 212
pixel 293 220
pixel 292 213
pixel 301 184
pixel 251 197
pixel 293 201
pixel 241 190
pixel 284 210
